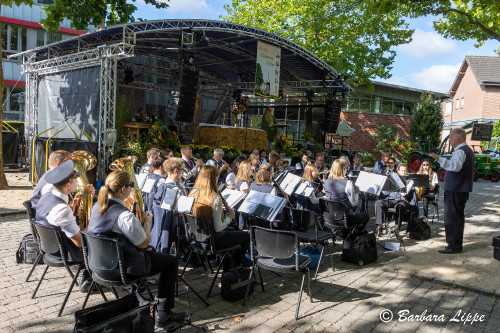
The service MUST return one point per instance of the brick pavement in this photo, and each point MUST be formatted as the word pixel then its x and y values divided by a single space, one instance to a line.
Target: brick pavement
pixel 348 299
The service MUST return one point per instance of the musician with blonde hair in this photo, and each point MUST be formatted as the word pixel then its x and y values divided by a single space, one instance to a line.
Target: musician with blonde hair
pixel 310 176
pixel 210 207
pixel 110 218
pixel 338 188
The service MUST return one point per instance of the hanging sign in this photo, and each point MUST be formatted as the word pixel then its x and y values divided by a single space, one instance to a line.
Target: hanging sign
pixel 267 73
pixel 482 132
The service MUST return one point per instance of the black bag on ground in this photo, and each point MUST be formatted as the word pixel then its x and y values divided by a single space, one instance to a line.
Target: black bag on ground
pixel 234 283
pixel 28 250
pixel 418 229
pixel 359 248
pixel 124 315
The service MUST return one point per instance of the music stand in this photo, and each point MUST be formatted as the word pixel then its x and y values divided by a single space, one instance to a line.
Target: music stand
pixel 394 184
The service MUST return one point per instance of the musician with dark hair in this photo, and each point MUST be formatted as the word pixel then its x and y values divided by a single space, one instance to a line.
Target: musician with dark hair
pixel 152 152
pixel 304 158
pixel 357 163
pixel 157 175
pixel 110 218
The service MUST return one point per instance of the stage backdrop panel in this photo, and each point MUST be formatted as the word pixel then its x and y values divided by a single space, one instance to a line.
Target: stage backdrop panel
pixel 241 138
pixel 73 94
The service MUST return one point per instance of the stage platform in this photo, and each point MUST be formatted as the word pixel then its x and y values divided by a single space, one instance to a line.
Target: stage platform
pixel 244 139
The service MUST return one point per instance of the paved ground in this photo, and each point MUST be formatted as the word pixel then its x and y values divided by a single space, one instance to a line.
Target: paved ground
pixel 350 299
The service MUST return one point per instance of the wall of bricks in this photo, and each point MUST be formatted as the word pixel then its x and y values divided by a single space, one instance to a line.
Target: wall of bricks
pixel 492 102
pixel 473 95
pixel 366 124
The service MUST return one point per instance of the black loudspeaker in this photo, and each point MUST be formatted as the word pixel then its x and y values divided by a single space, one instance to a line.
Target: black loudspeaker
pixel 331 115
pixel 71 145
pixel 187 94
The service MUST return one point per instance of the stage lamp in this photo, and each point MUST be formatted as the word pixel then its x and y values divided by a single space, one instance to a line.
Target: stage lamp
pixel 129 76
pixel 200 39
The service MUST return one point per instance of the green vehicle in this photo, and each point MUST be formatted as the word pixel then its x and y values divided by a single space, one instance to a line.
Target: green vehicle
pixel 487 167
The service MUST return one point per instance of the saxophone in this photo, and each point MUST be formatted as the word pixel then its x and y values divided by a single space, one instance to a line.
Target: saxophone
pixel 82 201
pixel 134 202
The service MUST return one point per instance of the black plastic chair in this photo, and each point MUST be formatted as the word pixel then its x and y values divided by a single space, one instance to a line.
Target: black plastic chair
pixel 105 261
pixel 435 202
pixel 31 216
pixel 200 234
pixel 278 251
pixel 54 255
pixel 307 225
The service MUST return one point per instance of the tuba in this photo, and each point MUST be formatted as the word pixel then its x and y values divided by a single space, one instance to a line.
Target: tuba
pixel 82 201
pixel 135 204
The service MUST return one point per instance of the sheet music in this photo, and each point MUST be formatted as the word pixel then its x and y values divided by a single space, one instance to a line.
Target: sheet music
pixel 397 180
pixel 232 197
pixel 290 183
pixel 184 204
pixel 141 178
pixel 148 185
pixel 170 198
pixel 370 182
pixel 304 190
pixel 263 205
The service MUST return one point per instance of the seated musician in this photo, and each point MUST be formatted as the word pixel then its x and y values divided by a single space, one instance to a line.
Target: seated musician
pixel 110 218
pixel 380 165
pixel 191 165
pixel 390 166
pixel 220 164
pixel 357 163
pixel 254 160
pixel 340 189
pixel 263 157
pixel 210 206
pixel 56 158
pixel 157 174
pixel 310 176
pixel 430 193
pixel 390 199
pixel 231 177
pixel 263 180
pixel 275 162
pixel 242 182
pixel 140 116
pixel 166 153
pixel 53 210
pixel 152 152
pixel 165 222
pixel 303 161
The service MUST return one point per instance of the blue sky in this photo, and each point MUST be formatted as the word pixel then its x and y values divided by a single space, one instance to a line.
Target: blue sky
pixel 429 62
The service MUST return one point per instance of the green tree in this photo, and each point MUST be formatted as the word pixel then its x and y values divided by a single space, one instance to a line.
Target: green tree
pixel 427 122
pixel 456 19
pixel 83 13
pixel 354 37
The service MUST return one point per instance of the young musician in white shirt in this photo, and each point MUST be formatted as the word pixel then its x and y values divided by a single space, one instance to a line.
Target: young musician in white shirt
pixel 430 193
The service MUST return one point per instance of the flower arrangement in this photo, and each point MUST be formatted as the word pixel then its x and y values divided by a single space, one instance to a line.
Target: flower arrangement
pixel 160 136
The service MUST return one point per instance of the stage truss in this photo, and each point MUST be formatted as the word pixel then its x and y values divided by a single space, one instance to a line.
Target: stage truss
pixel 160 39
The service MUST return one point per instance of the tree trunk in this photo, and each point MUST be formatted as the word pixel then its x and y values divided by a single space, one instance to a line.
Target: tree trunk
pixel 3 179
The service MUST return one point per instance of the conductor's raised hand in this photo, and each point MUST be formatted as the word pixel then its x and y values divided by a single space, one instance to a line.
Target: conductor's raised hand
pixel 434 156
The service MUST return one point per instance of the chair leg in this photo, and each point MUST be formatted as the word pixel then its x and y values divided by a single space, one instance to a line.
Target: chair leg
pixel 260 277
pixel 194 291
pixel 209 264
pixel 329 254
pixel 319 262
pixel 248 287
pixel 114 292
pixel 216 274
pixel 101 292
pixel 202 261
pixel 88 294
pixel 300 296
pixel 38 257
pixel 309 284
pixel 40 282
pixel 187 262
pixel 69 291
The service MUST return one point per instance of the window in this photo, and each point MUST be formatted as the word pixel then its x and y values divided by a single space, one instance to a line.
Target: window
pixel 14 38
pixel 462 101
pixel 53 37
pixel 40 38
pixel 447 108
pixel 457 104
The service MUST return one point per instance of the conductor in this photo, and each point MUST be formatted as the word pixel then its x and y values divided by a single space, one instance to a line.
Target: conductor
pixel 457 185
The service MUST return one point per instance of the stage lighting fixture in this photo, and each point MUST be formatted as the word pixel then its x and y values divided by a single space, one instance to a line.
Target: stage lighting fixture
pixel 310 95
pixel 200 39
pixel 186 39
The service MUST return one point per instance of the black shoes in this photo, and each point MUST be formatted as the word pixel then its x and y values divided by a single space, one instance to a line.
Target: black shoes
pixel 169 320
pixel 449 251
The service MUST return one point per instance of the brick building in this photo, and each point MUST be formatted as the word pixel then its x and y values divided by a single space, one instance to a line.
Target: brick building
pixel 475 94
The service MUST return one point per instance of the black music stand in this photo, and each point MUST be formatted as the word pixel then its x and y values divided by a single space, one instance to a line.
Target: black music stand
pixel 391 185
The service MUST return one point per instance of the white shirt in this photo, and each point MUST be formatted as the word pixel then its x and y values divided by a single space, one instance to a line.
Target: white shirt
pixel 128 225
pixel 244 186
pixel 194 170
pixel 231 177
pixel 62 216
pixel 46 188
pixel 456 162
pixel 350 191
pixel 219 224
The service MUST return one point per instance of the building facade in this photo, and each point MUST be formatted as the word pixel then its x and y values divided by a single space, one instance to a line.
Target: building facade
pixel 22 31
pixel 475 94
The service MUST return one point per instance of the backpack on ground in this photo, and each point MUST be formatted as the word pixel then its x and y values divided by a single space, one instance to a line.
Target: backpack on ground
pixel 418 229
pixel 234 283
pixel 28 250
pixel 359 248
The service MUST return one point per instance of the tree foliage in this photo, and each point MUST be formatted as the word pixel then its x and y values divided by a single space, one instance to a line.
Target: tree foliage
pixel 354 37
pixel 87 13
pixel 456 19
pixel 427 122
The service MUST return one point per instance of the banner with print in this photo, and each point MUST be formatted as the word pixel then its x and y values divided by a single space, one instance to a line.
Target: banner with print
pixel 267 74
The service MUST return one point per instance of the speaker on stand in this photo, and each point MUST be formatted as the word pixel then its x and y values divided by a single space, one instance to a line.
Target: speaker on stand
pixel 187 94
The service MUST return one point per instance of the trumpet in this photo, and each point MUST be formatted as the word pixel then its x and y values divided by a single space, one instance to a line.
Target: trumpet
pixel 82 201
pixel 134 202
pixel 229 169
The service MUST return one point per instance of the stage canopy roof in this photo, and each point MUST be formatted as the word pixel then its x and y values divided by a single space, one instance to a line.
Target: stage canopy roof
pixel 229 57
